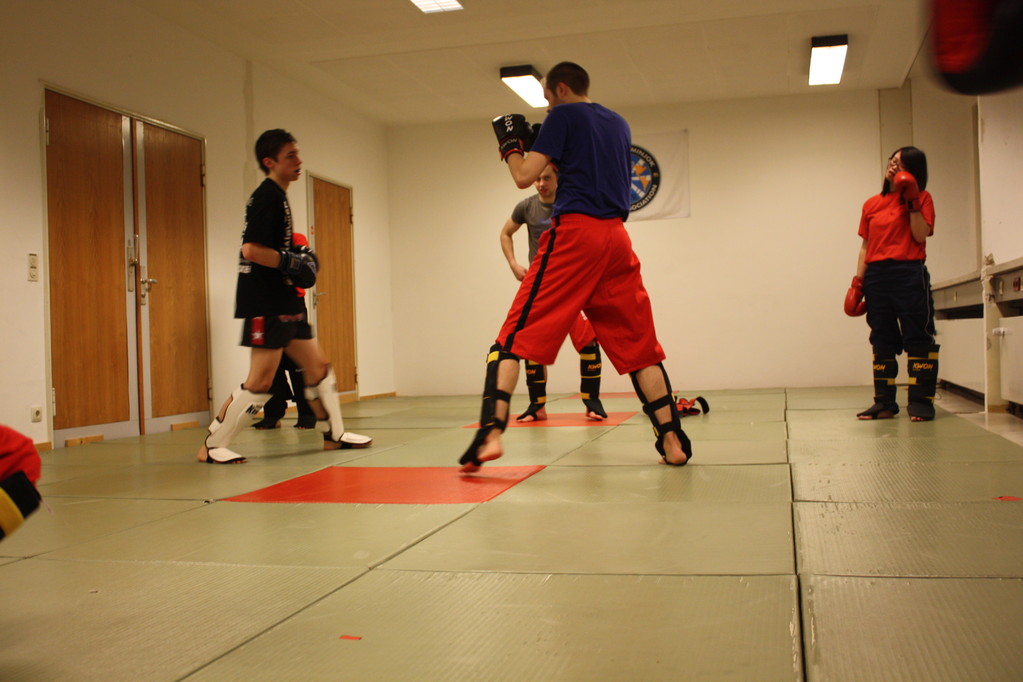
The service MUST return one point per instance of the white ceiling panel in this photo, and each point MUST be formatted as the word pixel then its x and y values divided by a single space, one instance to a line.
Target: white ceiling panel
pixel 399 66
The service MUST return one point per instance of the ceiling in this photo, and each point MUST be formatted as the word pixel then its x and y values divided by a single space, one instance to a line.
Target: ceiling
pixel 398 66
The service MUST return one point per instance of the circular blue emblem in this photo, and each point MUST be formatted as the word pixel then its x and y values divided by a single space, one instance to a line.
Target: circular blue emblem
pixel 646 178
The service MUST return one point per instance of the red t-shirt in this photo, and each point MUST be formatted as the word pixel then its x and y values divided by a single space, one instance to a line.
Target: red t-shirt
pixel 885 225
pixel 17 453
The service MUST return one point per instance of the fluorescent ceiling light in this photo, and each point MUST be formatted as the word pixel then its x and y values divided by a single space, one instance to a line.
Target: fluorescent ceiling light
pixel 827 58
pixel 525 81
pixel 430 6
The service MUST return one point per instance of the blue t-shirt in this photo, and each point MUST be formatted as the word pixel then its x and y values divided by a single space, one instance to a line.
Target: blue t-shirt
pixel 590 145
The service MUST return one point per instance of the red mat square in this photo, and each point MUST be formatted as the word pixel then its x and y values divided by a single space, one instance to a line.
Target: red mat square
pixel 567 419
pixel 393 485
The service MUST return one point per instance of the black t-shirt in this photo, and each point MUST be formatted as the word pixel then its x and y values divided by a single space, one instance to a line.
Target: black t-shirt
pixel 261 290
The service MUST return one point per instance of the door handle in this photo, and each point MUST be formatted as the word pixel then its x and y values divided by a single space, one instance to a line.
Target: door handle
pixel 146 284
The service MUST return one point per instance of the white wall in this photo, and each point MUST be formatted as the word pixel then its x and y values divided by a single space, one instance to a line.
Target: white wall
pixel 115 54
pixel 943 127
pixel 1001 162
pixel 747 292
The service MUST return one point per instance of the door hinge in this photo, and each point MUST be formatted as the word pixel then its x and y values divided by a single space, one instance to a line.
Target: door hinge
pixel 202 175
pixel 53 402
pixel 46 129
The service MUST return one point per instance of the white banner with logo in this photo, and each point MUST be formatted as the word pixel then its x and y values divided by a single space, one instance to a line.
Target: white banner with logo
pixel 660 176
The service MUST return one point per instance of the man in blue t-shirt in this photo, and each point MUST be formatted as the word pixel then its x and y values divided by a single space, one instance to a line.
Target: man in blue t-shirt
pixel 585 262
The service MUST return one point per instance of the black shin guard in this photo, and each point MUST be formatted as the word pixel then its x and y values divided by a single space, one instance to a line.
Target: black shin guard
pixel 491 395
pixel 886 369
pixel 536 383
pixel 589 379
pixel 673 425
pixel 923 381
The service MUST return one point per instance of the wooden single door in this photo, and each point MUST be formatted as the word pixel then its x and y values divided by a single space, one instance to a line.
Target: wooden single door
pixel 334 294
pixel 172 293
pixel 89 229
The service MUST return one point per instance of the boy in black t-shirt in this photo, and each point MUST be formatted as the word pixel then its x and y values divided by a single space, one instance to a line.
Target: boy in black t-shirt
pixel 270 266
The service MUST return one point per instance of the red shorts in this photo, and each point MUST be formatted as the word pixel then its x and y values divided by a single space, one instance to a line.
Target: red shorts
pixel 583 264
pixel 582 333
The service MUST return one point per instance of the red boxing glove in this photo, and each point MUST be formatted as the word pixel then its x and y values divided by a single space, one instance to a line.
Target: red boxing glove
pixel 854 303
pixel 906 185
pixel 17 453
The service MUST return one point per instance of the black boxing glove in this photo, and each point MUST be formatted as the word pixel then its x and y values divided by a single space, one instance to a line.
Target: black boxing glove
pixel 534 132
pixel 300 265
pixel 514 134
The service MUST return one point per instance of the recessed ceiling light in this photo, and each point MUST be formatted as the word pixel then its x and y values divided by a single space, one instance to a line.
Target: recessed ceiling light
pixel 431 6
pixel 827 59
pixel 525 81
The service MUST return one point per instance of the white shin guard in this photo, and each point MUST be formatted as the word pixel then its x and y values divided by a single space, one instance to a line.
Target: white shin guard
pixel 244 403
pixel 333 427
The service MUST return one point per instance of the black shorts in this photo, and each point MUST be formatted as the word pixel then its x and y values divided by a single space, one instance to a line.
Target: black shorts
pixel 275 331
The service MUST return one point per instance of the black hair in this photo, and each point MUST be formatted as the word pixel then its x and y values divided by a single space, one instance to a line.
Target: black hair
pixel 571 74
pixel 915 163
pixel 269 145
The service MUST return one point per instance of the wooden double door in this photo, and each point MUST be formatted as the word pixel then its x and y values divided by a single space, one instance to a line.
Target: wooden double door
pixel 127 275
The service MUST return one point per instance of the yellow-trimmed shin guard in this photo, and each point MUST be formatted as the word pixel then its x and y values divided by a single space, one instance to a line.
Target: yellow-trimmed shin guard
pixel 590 364
pixel 923 381
pixel 488 410
pixel 18 499
pixel 536 384
pixel 886 369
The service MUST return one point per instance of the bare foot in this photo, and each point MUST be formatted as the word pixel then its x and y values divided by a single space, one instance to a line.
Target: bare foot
pixel 593 416
pixel 488 452
pixel 673 452
pixel 537 416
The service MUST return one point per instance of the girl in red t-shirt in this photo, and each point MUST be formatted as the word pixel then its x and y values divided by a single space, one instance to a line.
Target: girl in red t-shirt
pixel 892 278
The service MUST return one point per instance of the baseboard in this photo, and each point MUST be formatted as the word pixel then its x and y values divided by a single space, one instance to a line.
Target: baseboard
pixel 82 440
pixel 962 391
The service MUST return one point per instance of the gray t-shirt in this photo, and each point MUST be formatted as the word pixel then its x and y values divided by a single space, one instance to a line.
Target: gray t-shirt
pixel 536 215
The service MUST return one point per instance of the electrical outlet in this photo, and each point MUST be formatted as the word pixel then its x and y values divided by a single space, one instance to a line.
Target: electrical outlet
pixel 37 413
pixel 33 267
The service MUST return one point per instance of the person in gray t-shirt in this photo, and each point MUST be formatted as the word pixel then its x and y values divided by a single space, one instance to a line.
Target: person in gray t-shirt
pixel 535 213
